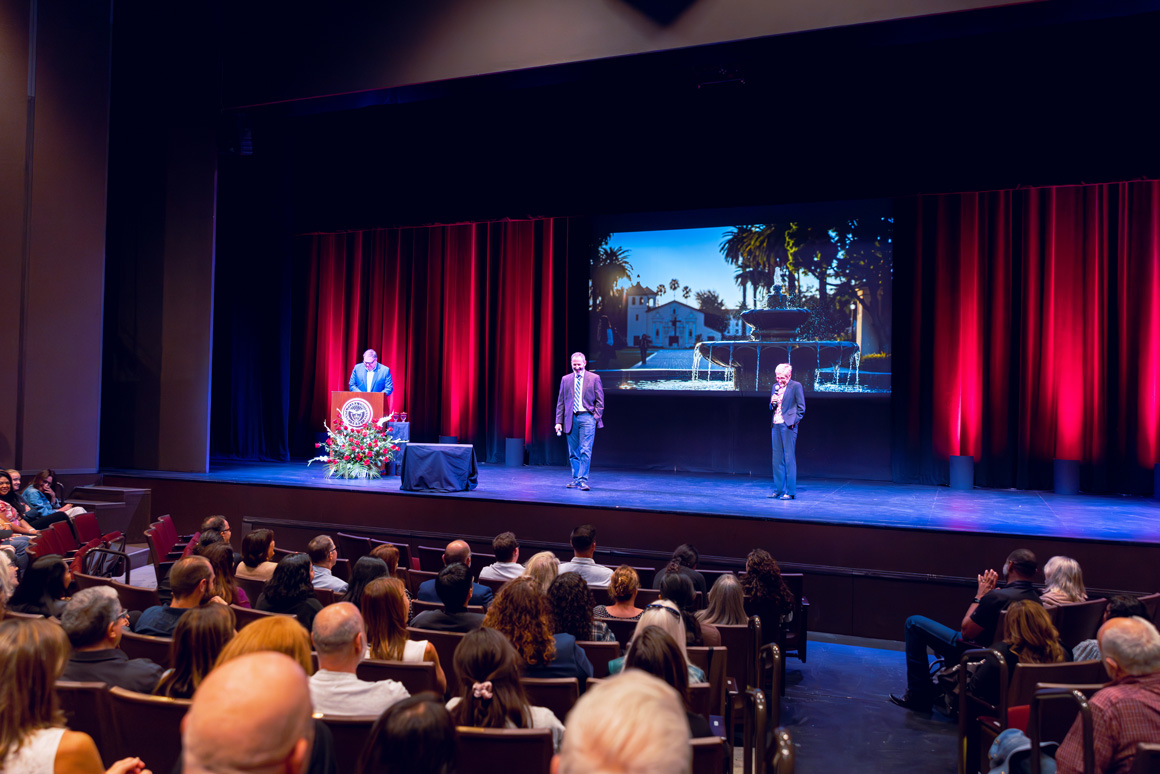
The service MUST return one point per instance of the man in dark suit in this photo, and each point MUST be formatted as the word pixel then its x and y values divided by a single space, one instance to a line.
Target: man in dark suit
pixel 457 552
pixel 578 413
pixel 788 404
pixel 454 589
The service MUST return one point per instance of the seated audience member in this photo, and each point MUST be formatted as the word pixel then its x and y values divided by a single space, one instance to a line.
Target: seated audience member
pixel 520 613
pixel 583 541
pixel 257 556
pixel 221 557
pixel 33 737
pixel 214 529
pixel 648 731
pixel 1119 606
pixel 279 633
pixel 365 570
pixel 13 498
pixel 976 630
pixel 457 551
pixel 490 694
pixel 8 575
pixel 1064 582
pixel 766 595
pixel 385 611
pixel 323 555
pixel 654 651
pixel 1126 711
pixel 570 602
pixel 230 728
pixel 44 588
pixel 44 508
pixel 198 640
pixel 544 567
pixel 94 620
pixel 12 512
pixel 415 736
pixel 507 559
pixel 1028 638
pixel 726 603
pixel 665 615
pixel 454 588
pixel 191 581
pixel 678 589
pixel 289 591
pixel 390 554
pixel 335 689
pixel 684 561
pixel 622 589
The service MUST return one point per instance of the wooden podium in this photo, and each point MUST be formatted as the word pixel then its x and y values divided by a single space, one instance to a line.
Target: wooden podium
pixel 356 409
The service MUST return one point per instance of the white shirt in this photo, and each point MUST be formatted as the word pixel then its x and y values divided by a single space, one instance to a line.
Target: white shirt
pixel 341 693
pixel 38 753
pixel 541 717
pixel 592 573
pixel 497 571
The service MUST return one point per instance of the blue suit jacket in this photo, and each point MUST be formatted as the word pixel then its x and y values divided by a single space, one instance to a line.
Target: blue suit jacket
pixel 480 595
pixel 380 379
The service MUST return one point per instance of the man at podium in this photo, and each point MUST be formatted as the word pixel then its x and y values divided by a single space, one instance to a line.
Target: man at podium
pixel 370 375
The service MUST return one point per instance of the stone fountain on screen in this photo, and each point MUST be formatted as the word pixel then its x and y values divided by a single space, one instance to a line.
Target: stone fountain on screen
pixel 773 340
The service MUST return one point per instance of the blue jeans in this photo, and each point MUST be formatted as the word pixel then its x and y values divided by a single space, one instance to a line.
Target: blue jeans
pixel 921 633
pixel 580 441
pixel 784 459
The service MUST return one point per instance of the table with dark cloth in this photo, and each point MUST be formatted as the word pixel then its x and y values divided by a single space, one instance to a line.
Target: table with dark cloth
pixel 402 433
pixel 439 467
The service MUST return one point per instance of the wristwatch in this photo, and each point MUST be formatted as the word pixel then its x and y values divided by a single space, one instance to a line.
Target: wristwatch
pixel 976 601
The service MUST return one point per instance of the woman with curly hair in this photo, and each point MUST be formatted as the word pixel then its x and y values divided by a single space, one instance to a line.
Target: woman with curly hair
pixel 385 611
pixel 490 694
pixel 726 603
pixel 766 594
pixel 1064 582
pixel 198 640
pixel 520 612
pixel 290 590
pixel 544 567
pixel 221 556
pixel 622 590
pixel 1029 637
pixel 571 603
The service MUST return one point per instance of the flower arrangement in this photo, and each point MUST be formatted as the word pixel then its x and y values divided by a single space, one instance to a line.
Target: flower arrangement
pixel 357 452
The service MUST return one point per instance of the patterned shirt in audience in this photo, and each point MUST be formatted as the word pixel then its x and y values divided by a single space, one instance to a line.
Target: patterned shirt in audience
pixel 1088 650
pixel 1124 713
pixel 601 632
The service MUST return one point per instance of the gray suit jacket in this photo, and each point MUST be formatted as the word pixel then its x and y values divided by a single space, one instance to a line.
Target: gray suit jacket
pixel 592 397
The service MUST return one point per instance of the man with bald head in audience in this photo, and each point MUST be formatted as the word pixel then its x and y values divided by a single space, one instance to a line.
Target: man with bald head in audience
pixel 457 551
pixel 251 714
pixel 339 636
pixel 1126 711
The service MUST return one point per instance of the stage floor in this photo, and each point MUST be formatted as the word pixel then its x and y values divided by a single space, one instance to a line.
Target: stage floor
pixel 1112 518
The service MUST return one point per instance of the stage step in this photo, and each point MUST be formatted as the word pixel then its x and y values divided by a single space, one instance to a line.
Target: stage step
pixel 136 503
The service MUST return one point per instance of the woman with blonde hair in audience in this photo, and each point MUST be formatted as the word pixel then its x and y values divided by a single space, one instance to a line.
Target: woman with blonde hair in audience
pixel 544 567
pixel 44 588
pixel 1064 582
pixel 490 694
pixel 33 736
pixel 257 556
pixel 1029 637
pixel 622 590
pixel 221 556
pixel 726 603
pixel 277 633
pixel 667 616
pixel 198 640
pixel 385 613
pixel 520 613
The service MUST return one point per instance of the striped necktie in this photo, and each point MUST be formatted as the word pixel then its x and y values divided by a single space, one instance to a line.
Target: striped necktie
pixel 578 395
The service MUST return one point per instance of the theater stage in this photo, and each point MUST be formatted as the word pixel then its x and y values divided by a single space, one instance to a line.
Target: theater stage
pixel 864 545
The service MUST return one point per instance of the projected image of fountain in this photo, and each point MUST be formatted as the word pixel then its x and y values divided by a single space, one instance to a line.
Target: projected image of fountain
pixel 772 340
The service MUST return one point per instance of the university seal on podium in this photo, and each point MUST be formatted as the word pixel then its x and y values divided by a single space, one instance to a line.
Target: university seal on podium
pixel 356 412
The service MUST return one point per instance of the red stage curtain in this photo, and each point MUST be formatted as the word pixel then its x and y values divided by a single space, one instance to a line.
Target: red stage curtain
pixel 467 318
pixel 1032 332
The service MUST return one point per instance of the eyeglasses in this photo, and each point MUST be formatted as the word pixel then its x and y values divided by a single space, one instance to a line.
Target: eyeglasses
pixel 666 608
pixel 124 614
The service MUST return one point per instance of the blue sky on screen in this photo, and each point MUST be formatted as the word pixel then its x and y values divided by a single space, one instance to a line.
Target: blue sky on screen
pixel 692 256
